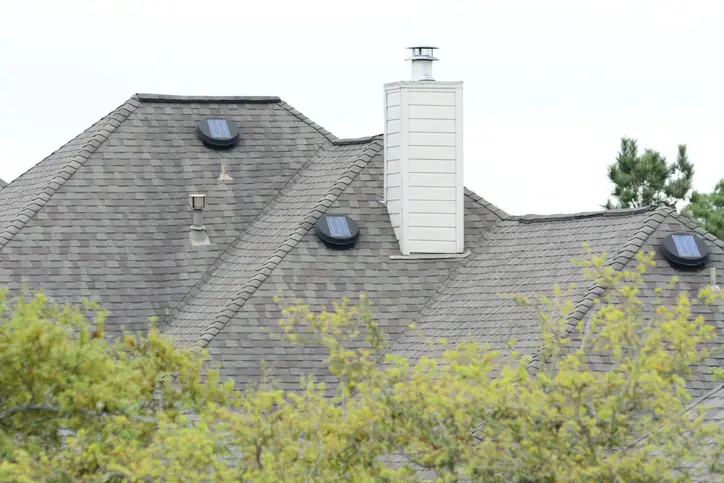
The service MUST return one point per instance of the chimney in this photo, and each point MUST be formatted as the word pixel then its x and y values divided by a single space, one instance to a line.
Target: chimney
pixel 198 235
pixel 424 160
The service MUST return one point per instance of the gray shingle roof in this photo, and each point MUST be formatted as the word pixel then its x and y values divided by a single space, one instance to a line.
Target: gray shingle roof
pixel 2 184
pixel 518 256
pixel 106 217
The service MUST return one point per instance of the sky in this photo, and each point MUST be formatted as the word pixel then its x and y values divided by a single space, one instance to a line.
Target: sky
pixel 550 87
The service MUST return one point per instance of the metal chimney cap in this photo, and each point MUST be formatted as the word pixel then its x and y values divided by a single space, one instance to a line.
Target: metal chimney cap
pixel 422 52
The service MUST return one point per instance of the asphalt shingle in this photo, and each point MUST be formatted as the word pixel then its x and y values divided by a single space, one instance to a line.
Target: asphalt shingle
pixel 106 217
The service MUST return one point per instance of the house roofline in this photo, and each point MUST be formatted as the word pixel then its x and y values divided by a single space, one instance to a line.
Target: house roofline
pixel 170 98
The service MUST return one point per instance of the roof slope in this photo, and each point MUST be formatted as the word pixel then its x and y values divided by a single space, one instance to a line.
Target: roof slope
pixel 27 194
pixel 690 282
pixel 2 184
pixel 106 216
pixel 519 256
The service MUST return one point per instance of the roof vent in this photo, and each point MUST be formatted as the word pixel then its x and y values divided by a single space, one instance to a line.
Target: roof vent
pixel 224 175
pixel 421 60
pixel 217 132
pixel 198 235
pixel 337 231
pixel 712 280
pixel 684 250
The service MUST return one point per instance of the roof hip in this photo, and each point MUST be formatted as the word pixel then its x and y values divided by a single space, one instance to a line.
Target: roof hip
pixel 102 133
pixel 625 254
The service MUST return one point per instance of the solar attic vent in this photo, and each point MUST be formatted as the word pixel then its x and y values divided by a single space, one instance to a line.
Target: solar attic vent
pixel 337 231
pixel 684 250
pixel 217 132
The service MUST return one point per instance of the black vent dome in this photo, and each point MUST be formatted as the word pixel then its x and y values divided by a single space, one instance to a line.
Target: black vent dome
pixel 218 132
pixel 684 250
pixel 337 230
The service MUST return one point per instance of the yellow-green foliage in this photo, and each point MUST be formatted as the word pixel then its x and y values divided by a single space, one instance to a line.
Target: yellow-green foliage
pixel 74 407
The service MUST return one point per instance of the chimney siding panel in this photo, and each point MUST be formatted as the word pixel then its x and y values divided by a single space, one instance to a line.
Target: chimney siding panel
pixel 393 150
pixel 423 165
pixel 431 125
pixel 429 112
pixel 430 246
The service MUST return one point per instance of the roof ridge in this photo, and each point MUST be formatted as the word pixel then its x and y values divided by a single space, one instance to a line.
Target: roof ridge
pixel 485 204
pixel 328 135
pixel 582 215
pixel 361 140
pixel 113 119
pixel 233 306
pixel 624 255
pixel 146 97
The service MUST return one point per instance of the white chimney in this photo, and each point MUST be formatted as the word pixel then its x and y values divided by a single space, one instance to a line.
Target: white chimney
pixel 424 160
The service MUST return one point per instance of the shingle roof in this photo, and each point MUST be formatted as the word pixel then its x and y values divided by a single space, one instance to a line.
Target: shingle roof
pixel 106 217
pixel 2 184
pixel 518 256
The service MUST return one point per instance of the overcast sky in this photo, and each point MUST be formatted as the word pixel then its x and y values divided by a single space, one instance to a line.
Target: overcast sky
pixel 550 87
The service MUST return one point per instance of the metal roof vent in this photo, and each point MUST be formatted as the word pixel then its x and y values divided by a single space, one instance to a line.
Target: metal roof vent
pixel 198 235
pixel 684 250
pixel 421 60
pixel 217 132
pixel 337 231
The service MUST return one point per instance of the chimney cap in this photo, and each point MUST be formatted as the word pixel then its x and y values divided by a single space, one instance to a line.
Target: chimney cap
pixel 422 52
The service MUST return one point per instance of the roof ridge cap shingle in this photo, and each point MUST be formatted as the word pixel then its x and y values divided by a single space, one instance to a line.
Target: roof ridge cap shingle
pixel 486 204
pixel 624 255
pixel 233 306
pixel 114 119
pixel 362 140
pixel 582 215
pixel 173 98
pixel 328 135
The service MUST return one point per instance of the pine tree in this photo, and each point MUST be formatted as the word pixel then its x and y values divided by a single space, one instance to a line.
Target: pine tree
pixel 646 179
pixel 707 209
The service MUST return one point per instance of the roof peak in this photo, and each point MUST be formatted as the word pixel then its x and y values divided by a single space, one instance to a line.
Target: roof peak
pixel 589 214
pixel 145 97
pixel 362 140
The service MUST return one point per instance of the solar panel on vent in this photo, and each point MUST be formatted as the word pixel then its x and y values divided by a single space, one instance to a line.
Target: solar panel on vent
pixel 219 128
pixel 686 246
pixel 338 226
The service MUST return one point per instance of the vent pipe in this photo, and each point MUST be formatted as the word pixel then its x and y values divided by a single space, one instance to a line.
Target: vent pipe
pixel 198 235
pixel 421 61
pixel 712 279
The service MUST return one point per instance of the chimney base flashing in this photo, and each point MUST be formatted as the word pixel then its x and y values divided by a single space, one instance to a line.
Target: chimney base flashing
pixel 431 256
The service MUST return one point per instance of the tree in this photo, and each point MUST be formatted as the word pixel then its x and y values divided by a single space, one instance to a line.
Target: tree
pixel 646 179
pixel 74 407
pixel 707 209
